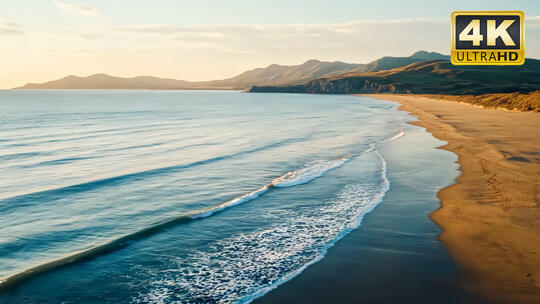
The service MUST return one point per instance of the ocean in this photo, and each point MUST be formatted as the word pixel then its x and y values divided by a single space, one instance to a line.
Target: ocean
pixel 187 196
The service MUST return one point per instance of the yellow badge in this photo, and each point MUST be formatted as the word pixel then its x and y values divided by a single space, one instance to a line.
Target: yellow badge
pixel 487 38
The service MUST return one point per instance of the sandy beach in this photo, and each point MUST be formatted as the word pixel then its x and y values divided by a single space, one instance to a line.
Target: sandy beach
pixel 490 216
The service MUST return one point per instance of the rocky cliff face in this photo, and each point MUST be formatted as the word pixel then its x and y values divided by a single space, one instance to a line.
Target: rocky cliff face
pixel 352 85
pixel 427 77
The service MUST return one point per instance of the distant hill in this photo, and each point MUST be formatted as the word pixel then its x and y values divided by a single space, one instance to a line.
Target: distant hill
pixel 287 74
pixel 425 77
pixel 388 63
pixel 103 81
pixel 271 75
pixel 428 56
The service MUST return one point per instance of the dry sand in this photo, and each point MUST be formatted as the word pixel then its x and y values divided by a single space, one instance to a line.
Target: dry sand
pixel 517 101
pixel 491 217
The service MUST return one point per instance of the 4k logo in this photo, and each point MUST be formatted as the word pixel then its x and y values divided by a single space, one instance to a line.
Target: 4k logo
pixel 488 38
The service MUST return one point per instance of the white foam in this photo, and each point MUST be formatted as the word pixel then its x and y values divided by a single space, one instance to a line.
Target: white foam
pixel 400 134
pixel 235 201
pixel 157 296
pixel 246 266
pixel 310 172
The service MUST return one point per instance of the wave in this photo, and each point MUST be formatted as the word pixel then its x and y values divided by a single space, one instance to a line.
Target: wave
pixel 301 176
pixel 386 186
pixel 51 194
pixel 22 155
pixel 334 221
pixel 90 253
pixel 319 168
pixel 310 172
pixel 398 135
pixel 331 243
pixel 47 139
pixel 235 201
pixel 27 198
pixel 59 161
pixel 245 266
pixel 65 160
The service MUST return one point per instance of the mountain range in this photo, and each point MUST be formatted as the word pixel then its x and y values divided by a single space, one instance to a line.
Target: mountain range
pixel 421 73
pixel 425 77
pixel 271 75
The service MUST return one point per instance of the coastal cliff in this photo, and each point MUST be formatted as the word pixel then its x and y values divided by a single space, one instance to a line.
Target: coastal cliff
pixel 431 77
pixel 349 85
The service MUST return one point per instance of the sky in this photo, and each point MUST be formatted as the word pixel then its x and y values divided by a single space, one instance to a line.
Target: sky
pixel 42 40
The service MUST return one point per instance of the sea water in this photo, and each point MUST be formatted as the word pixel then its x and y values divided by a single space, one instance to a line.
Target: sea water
pixel 180 196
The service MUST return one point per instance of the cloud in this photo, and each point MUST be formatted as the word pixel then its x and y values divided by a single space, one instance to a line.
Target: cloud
pixel 260 44
pixel 338 27
pixel 278 30
pixel 77 9
pixel 151 29
pixel 10 28
pixel 360 39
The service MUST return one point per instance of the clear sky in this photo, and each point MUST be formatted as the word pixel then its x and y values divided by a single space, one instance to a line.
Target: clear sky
pixel 43 40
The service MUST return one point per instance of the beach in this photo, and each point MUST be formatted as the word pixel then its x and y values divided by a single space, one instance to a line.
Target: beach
pixel 394 256
pixel 178 204
pixel 165 202
pixel 489 217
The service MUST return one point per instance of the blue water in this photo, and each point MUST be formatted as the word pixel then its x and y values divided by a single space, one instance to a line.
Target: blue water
pixel 190 196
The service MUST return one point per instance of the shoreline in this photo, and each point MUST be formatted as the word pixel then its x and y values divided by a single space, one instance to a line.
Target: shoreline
pixel 489 216
pixel 394 255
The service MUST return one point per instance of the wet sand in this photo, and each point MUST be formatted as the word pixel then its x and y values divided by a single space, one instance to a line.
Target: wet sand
pixel 394 256
pixel 491 216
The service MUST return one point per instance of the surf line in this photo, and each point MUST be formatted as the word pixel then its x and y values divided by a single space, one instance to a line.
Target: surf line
pixel 264 290
pixel 290 179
